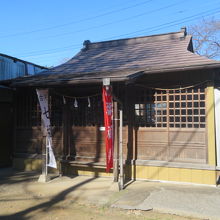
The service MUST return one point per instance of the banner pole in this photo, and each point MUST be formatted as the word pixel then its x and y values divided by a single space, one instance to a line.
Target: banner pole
pixel 44 176
pixel 46 157
pixel 121 182
pixel 116 142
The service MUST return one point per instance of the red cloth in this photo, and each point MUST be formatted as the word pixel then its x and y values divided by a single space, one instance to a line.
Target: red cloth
pixel 108 108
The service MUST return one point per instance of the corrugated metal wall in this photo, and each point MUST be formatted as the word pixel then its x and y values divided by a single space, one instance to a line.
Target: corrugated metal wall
pixel 10 68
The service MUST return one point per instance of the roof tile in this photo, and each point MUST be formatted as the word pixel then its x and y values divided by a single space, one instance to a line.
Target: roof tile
pixel 122 58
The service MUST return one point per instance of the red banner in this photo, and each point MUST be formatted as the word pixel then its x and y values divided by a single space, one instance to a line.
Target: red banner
pixel 108 107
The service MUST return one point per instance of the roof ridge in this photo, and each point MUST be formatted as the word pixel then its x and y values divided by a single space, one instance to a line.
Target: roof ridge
pixel 142 39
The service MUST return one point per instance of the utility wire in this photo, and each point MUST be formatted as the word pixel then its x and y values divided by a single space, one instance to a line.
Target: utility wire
pixel 76 22
pixel 45 54
pixel 126 19
pixel 158 27
pixel 55 50
pixel 172 23
pixel 116 21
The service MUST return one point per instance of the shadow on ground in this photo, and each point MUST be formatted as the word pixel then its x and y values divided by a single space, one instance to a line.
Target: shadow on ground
pixel 10 176
pixel 18 177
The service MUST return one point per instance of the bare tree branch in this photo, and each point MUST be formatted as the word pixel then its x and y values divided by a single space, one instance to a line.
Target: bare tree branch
pixel 206 38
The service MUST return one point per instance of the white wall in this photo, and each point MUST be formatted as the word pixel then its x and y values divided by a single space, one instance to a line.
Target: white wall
pixel 217 123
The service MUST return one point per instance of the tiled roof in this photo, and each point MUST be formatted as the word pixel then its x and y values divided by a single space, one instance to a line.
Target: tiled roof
pixel 120 59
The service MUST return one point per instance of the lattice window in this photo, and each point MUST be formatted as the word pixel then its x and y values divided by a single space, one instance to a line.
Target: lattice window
pixel 187 108
pixel 161 106
pixel 145 109
pixel 29 113
pixel 27 109
pixel 174 108
pixel 55 108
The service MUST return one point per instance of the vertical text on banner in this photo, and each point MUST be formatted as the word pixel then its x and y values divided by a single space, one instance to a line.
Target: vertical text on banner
pixel 43 100
pixel 108 114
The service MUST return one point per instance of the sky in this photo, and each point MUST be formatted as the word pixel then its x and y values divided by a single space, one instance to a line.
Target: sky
pixel 49 32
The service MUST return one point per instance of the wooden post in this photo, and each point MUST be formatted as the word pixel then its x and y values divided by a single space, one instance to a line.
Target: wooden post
pixel 14 124
pixel 116 143
pixel 65 132
pixel 44 176
pixel 121 182
pixel 210 117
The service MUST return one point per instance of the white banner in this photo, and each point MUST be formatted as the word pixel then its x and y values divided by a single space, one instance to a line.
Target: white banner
pixel 52 160
pixel 43 100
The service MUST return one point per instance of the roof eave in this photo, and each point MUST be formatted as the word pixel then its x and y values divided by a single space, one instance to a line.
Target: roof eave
pixel 65 82
pixel 128 78
pixel 182 68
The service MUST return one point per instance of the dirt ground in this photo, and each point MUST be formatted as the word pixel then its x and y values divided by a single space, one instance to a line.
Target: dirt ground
pixel 22 197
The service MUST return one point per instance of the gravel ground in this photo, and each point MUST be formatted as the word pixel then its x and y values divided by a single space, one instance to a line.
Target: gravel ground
pixel 22 197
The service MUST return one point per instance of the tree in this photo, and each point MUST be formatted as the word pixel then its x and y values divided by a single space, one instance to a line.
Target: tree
pixel 206 38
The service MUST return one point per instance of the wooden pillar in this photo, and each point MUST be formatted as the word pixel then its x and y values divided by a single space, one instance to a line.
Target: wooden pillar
pixel 116 142
pixel 210 117
pixel 14 146
pixel 65 131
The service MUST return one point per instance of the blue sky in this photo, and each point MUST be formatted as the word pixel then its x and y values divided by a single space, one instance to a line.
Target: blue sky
pixel 48 32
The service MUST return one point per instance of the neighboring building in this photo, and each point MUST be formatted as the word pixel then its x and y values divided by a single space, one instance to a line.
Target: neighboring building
pixel 167 96
pixel 10 68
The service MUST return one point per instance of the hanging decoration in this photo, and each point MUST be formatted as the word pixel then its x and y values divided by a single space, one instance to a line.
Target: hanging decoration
pixel 108 107
pixel 89 103
pixel 75 103
pixel 64 100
